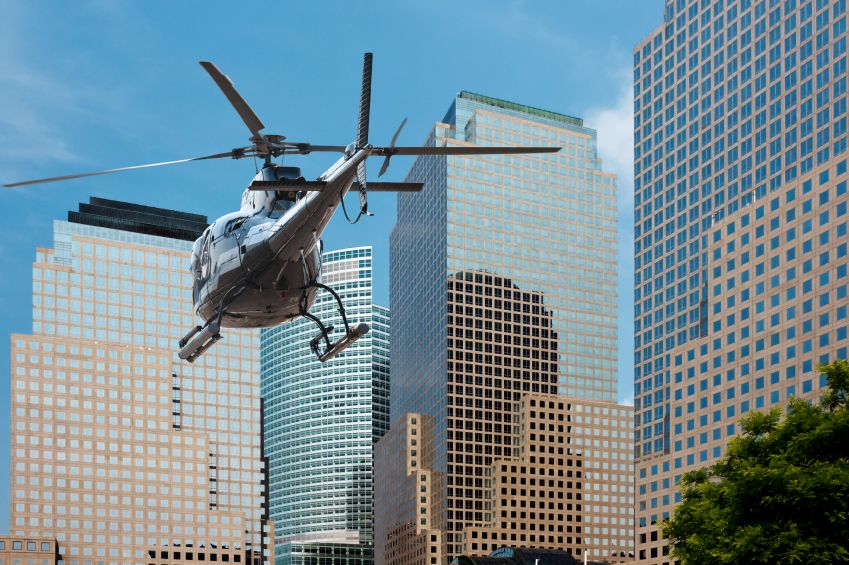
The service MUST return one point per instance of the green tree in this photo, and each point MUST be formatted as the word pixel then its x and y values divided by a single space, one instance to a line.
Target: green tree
pixel 781 493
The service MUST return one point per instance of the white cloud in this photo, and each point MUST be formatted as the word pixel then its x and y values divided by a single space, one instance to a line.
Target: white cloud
pixel 627 401
pixel 615 127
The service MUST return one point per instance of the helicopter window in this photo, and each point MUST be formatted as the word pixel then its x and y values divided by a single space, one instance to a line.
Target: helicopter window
pixel 198 250
pixel 204 264
pixel 202 272
pixel 234 225
pixel 284 199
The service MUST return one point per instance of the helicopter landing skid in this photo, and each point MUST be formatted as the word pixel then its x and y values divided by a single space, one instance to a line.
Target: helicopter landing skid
pixel 199 339
pixel 331 350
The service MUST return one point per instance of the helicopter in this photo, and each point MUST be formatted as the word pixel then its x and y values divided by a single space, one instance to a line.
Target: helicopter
pixel 260 266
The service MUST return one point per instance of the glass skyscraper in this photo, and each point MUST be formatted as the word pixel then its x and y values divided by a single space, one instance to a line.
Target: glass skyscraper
pixel 120 451
pixel 321 421
pixel 503 282
pixel 740 227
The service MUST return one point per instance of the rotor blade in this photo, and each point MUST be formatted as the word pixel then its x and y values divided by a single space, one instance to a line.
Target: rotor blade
pixel 234 154
pixel 226 85
pixel 397 133
pixel 461 150
pixel 294 185
pixel 307 148
pixel 365 102
pixel 395 186
pixel 384 166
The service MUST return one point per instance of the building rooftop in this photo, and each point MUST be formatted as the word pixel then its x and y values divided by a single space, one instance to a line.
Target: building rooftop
pixel 137 218
pixel 507 105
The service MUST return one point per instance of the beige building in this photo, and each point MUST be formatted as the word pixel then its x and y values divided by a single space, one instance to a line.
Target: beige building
pixel 408 494
pixel 741 229
pixel 28 551
pixel 119 450
pixel 569 486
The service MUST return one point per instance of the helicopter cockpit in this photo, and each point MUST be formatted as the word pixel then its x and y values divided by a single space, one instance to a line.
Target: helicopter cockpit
pixel 273 203
pixel 270 204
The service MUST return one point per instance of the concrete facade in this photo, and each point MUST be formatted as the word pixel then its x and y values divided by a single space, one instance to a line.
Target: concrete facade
pixel 28 551
pixel 741 231
pixel 568 486
pixel 120 451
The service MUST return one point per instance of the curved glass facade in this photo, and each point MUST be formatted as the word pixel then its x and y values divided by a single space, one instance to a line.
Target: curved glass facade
pixel 322 419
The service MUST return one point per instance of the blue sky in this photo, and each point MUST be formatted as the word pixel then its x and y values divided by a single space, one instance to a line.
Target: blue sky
pixel 98 84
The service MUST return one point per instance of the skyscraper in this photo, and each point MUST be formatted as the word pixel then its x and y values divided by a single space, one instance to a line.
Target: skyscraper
pixel 121 451
pixel 321 421
pixel 740 227
pixel 503 283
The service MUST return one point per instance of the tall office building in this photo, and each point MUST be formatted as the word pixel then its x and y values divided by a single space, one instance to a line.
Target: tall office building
pixel 740 227
pixel 503 283
pixel 321 421
pixel 120 451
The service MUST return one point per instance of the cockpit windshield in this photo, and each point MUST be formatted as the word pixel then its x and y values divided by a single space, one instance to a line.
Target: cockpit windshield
pixel 200 257
pixel 284 201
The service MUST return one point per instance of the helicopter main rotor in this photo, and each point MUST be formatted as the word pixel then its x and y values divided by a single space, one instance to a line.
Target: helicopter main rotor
pixel 268 146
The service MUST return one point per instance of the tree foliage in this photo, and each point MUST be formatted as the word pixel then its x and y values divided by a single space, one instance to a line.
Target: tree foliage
pixel 781 493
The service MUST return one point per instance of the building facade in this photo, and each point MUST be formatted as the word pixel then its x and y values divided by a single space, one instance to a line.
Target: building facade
pixel 740 228
pixel 569 486
pixel 28 551
pixel 120 451
pixel 503 283
pixel 321 421
pixel 406 490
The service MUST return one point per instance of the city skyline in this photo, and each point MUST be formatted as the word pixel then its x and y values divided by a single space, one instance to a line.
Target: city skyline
pixel 573 332
pixel 113 84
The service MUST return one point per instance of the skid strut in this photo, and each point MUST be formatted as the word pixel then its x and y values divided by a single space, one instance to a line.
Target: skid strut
pixel 331 349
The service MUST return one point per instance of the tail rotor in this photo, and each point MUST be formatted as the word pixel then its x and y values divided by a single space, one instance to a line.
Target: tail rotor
pixel 385 164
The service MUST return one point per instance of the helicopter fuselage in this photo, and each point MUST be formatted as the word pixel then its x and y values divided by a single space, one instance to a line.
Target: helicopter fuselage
pixel 251 268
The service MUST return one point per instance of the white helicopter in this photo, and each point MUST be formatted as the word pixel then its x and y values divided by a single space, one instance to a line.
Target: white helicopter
pixel 261 265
